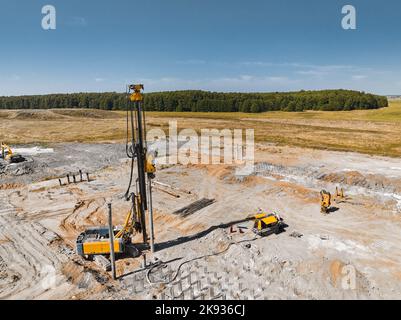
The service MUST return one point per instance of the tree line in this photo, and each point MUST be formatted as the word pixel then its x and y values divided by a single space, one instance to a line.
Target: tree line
pixel 204 101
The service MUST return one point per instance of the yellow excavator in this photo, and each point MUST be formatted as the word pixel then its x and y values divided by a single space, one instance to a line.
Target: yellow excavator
pixel 8 155
pixel 325 201
pixel 339 196
pixel 6 152
pixel 96 241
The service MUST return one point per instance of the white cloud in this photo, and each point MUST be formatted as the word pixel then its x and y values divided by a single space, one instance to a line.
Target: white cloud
pixel 359 77
pixel 99 79
pixel 315 73
pixel 296 65
pixel 77 22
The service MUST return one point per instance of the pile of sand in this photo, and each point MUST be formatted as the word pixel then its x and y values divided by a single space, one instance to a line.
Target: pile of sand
pixel 58 114
pixel 88 113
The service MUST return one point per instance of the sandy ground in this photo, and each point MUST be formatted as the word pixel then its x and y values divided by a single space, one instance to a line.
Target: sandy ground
pixel 351 253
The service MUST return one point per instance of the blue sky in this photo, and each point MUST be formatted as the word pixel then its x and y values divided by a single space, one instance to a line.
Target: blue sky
pixel 219 45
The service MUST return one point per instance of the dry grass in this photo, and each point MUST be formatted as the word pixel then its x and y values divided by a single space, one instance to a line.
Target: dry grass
pixel 371 131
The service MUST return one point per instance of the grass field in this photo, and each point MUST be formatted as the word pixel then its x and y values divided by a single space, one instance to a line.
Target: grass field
pixel 390 114
pixel 369 131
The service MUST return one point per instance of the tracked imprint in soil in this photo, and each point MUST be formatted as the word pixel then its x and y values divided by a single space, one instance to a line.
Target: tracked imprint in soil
pixel 28 262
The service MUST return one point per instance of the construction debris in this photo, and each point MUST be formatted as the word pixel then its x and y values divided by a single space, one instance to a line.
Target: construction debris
pixel 168 192
pixel 171 187
pixel 102 262
pixel 296 234
pixel 74 178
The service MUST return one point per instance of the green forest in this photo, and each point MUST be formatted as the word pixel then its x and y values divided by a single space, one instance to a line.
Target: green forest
pixel 204 101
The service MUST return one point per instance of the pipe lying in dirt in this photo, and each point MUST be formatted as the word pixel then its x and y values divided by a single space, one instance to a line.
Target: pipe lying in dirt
pixel 171 187
pixel 168 192
pixel 194 207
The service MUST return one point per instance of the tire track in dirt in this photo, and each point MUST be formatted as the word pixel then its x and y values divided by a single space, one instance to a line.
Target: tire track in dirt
pixel 27 255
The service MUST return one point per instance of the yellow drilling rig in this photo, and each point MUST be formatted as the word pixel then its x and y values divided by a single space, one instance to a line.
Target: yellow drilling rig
pixel 97 240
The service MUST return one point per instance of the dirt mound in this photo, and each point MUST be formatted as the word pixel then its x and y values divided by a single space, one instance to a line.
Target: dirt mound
pixel 34 115
pixel 87 113
pixel 252 181
pixel 219 171
pixel 10 186
pixel 58 114
pixel 85 213
pixel 5 114
pixel 17 169
pixel 355 178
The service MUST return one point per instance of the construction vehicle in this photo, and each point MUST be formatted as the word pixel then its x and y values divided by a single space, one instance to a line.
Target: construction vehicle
pixel 8 155
pixel 6 151
pixel 267 224
pixel 96 241
pixel 339 196
pixel 325 201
